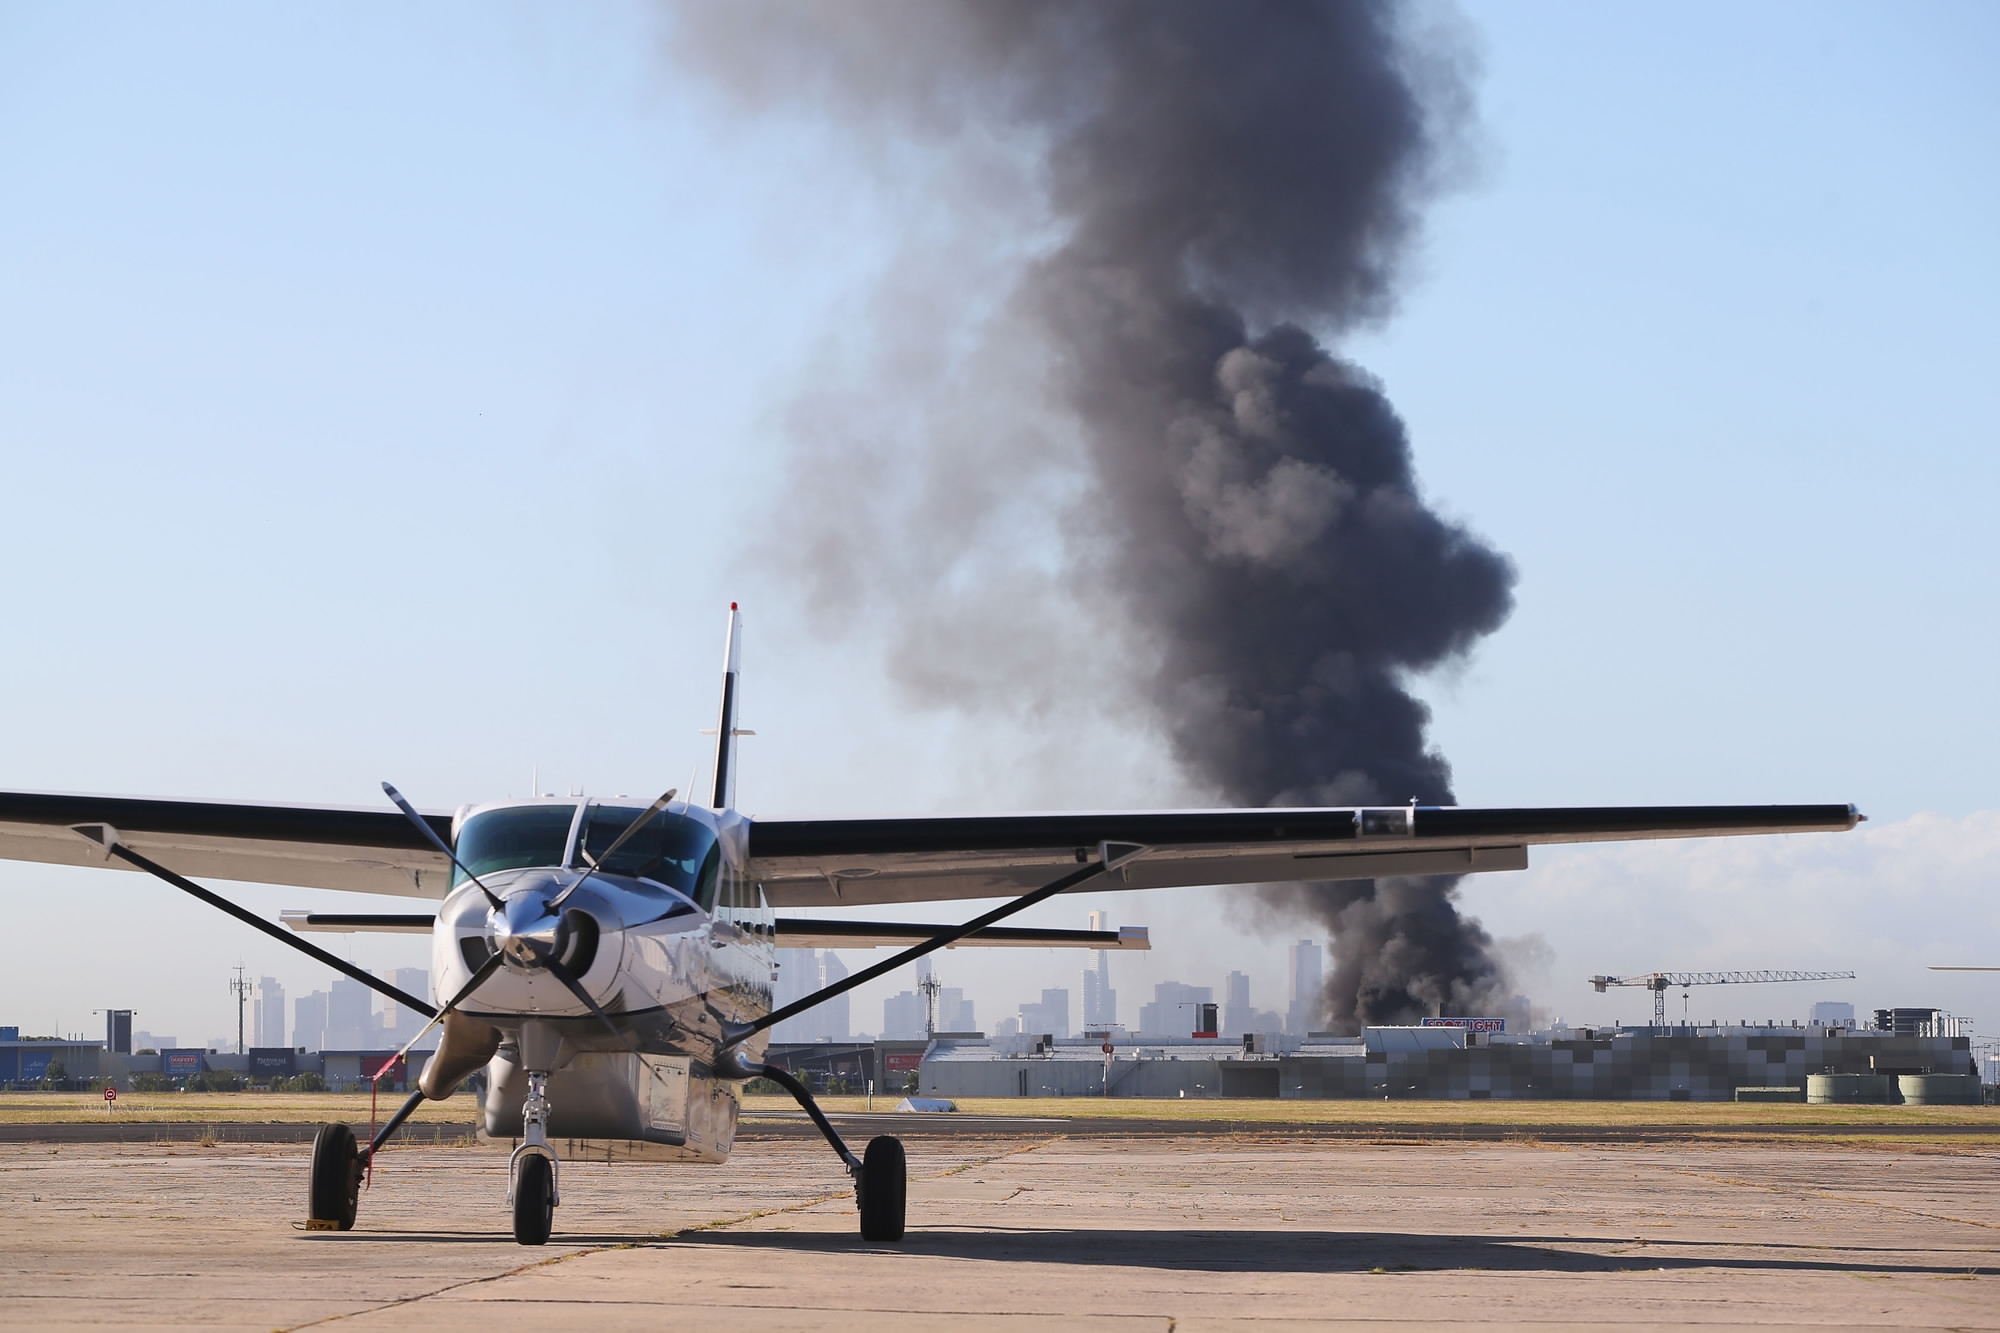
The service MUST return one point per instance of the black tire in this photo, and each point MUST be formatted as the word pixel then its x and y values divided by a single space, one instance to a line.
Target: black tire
pixel 534 1201
pixel 336 1177
pixel 884 1189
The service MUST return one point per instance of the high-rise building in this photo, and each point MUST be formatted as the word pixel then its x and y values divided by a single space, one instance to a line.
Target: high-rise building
pixel 1100 1001
pixel 835 1018
pixel 399 1022
pixel 267 1013
pixel 1174 1010
pixel 1308 962
pixel 350 1017
pixel 1237 1015
pixel 118 1031
pixel 798 977
pixel 801 972
pixel 1047 1017
pixel 309 1021
pixel 955 1012
pixel 903 1015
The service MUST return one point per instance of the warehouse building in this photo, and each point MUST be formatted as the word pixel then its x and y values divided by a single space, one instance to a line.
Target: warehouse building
pixel 1640 1064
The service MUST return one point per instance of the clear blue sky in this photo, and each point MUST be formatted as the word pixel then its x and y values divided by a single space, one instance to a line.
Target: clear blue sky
pixel 392 393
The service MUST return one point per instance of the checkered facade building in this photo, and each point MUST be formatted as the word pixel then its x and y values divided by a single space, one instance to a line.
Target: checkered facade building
pixel 1637 1066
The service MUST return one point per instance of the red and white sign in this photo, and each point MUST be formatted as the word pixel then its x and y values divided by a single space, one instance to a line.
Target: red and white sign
pixel 110 1096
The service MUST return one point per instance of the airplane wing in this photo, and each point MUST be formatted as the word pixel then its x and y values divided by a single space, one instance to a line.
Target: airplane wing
pixel 855 862
pixel 317 847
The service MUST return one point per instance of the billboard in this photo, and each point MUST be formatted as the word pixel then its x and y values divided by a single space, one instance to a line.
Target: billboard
pixel 1469 1024
pixel 271 1062
pixel 182 1061
pixel 902 1062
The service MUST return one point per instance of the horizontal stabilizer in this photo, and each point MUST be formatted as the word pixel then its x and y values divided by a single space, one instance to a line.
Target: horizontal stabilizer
pixel 798 933
pixel 393 923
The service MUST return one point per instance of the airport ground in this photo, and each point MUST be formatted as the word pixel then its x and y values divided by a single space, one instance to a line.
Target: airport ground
pixel 1046 1220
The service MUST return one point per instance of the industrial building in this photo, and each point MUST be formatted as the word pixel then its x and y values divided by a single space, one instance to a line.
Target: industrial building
pixel 1639 1064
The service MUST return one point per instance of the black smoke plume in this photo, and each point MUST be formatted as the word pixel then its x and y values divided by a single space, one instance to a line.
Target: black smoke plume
pixel 1221 189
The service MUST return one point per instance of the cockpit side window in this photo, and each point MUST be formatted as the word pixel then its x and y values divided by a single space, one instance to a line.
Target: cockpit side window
pixel 514 837
pixel 672 849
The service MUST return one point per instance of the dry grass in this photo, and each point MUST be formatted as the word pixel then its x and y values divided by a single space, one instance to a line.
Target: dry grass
pixel 1426 1117
pixel 68 1108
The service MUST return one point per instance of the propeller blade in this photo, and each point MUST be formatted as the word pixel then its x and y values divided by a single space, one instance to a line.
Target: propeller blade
pixel 569 980
pixel 597 862
pixel 424 827
pixel 486 969
pixel 634 827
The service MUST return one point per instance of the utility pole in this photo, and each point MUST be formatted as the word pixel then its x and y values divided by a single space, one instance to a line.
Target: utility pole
pixel 240 986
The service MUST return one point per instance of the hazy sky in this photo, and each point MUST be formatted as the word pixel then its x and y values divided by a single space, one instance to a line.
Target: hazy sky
pixel 399 394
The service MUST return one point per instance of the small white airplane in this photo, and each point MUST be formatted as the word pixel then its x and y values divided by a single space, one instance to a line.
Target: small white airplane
pixel 611 966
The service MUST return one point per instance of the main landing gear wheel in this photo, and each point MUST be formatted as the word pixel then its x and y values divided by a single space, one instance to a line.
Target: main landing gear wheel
pixel 884 1187
pixel 336 1178
pixel 534 1201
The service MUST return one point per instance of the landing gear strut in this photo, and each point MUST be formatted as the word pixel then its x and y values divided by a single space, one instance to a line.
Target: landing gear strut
pixel 881 1175
pixel 532 1170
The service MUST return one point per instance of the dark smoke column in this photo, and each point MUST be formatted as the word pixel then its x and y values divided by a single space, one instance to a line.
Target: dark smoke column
pixel 1238 183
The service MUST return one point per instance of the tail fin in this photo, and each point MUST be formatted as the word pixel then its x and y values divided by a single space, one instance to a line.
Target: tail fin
pixel 725 726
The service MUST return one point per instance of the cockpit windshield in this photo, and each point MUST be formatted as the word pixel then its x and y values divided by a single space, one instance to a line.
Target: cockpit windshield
pixel 513 837
pixel 671 849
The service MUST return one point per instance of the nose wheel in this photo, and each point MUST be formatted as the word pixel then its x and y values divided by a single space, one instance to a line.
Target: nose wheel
pixel 532 1171
pixel 534 1200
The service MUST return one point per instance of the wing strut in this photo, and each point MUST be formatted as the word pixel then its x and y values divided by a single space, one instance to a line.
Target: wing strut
pixel 106 837
pixel 1110 855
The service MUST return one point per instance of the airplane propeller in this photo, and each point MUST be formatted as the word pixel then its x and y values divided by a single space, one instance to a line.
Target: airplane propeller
pixel 532 950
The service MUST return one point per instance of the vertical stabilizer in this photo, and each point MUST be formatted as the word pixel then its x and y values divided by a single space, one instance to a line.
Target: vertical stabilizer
pixel 725 726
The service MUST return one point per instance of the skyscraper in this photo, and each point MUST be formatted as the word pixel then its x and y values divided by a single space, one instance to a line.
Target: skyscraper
pixel 798 977
pixel 350 1017
pixel 1048 1017
pixel 1308 979
pixel 835 1021
pixel 399 1022
pixel 1100 1002
pixel 1174 1009
pixel 309 1021
pixel 267 1013
pixel 903 1015
pixel 1237 1016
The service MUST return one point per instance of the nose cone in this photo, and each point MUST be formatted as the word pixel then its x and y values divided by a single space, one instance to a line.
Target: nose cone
pixel 524 929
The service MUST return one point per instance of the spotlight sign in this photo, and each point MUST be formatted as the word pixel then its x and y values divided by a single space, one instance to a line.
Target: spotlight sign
pixel 1469 1024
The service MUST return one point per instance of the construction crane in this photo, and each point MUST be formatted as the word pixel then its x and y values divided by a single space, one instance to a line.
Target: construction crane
pixel 1660 982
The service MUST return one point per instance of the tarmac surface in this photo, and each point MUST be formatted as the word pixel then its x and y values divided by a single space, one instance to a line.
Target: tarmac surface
pixel 1026 1230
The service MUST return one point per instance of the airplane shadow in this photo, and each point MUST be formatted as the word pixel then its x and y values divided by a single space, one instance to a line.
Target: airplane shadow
pixel 1333 1251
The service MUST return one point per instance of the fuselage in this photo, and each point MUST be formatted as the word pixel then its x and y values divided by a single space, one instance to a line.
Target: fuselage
pixel 668 935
